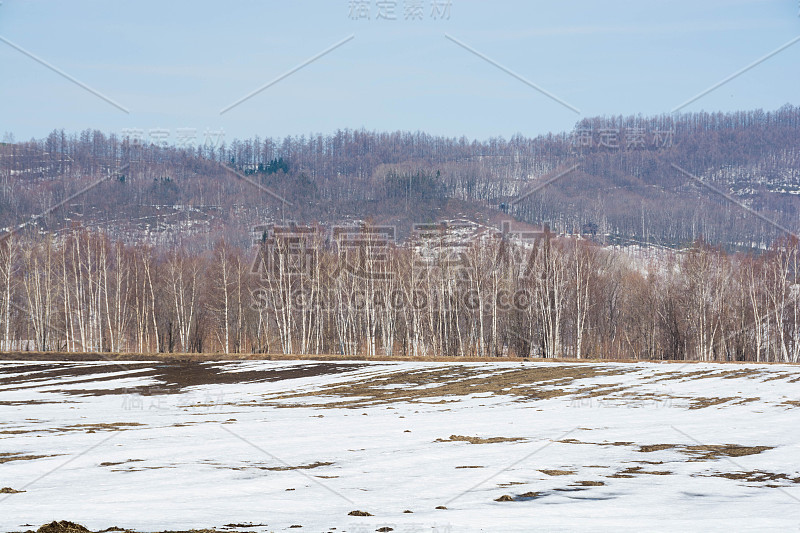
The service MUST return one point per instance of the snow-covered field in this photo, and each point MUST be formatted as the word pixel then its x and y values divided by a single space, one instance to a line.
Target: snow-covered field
pixel 265 446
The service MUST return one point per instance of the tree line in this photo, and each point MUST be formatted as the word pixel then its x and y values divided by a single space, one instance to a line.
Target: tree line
pixel 314 291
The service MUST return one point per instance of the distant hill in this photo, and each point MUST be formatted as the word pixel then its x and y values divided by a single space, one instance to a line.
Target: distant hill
pixel 732 179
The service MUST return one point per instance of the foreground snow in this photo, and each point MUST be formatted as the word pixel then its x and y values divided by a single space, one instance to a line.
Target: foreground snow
pixel 272 445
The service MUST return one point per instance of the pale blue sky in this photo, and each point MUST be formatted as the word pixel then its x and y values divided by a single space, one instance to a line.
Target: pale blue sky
pixel 178 64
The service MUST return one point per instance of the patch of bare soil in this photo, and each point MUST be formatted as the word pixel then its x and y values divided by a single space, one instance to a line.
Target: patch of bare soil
pixel 576 441
pixel 17 403
pixel 735 374
pixel 282 468
pixel 656 447
pixel 535 383
pixel 6 457
pixel 528 496
pixel 702 403
pixel 510 484
pixel 479 440
pixel 707 452
pixel 299 467
pixel 557 472
pixel 671 375
pixel 108 463
pixel 715 451
pixel 94 428
pixel 171 377
pixel 9 490
pixel 63 526
pixel 633 471
pixel 782 375
pixel 756 476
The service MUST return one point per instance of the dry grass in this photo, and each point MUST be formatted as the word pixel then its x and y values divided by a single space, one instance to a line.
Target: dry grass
pixel 6 457
pixel 419 385
pixel 479 440
pixel 576 441
pixel 702 403
pixel 655 447
pixel 108 463
pixel 633 471
pixel 707 452
pixel 756 476
pixel 557 472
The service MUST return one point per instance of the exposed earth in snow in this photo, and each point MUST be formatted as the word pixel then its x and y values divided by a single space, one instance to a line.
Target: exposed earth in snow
pixel 399 446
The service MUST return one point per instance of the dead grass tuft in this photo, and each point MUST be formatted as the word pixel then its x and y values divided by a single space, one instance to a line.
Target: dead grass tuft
pixel 656 447
pixel 756 476
pixel 557 472
pixel 6 457
pixel 479 440
pixel 702 403
pixel 707 452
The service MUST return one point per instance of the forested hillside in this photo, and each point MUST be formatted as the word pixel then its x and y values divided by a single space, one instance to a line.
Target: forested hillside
pixel 632 179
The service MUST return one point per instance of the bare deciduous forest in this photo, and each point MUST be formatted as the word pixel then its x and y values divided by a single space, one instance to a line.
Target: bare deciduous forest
pixel 121 246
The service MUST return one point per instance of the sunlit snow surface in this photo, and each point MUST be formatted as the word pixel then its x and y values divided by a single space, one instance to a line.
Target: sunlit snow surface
pixel 153 446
